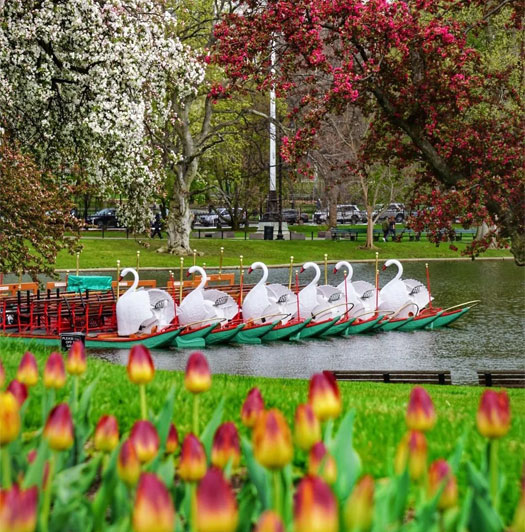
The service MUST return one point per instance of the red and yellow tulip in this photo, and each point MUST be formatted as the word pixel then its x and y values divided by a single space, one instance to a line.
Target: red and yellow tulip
pixel 18 509
pixel 493 418
pixel 315 507
pixel 54 372
pixel 272 440
pixel 198 377
pixel 9 418
pixel 252 407
pixel 439 473
pixel 192 465
pixel 226 447
pixel 19 390
pixel 145 439
pixel 269 522
pixel 172 442
pixel 153 509
pixel 128 464
pixel 141 369
pixel 412 453
pixel 421 415
pixel 58 430
pixel 359 507
pixel 322 463
pixel 28 370
pixel 324 396
pixel 76 363
pixel 106 434
pixel 307 428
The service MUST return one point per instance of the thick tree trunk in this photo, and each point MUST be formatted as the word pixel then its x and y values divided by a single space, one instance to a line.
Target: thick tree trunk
pixel 333 193
pixel 369 228
pixel 179 222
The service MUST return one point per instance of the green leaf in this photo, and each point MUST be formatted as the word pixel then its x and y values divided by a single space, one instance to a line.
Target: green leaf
pixel 36 469
pixel 163 420
pixel 258 475
pixel 211 427
pixel 74 482
pixel 107 488
pixel 248 507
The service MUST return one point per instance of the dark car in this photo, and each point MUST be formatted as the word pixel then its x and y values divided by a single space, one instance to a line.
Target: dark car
pixel 104 218
pixel 290 216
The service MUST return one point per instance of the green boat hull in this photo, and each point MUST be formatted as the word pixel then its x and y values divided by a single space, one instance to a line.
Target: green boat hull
pixel 446 319
pixel 283 332
pixel 338 328
pixel 419 323
pixel 365 326
pixel 223 337
pixel 314 329
pixel 194 339
pixel 252 335
pixel 395 324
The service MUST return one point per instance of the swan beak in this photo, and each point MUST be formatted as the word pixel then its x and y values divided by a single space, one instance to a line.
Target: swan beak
pixel 384 267
pixel 120 278
pixel 335 270
pixel 188 274
pixel 302 270
pixel 250 269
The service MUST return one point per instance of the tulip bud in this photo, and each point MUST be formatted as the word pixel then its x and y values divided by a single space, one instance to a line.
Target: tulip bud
pixel 493 418
pixel 198 376
pixel 128 464
pixel 145 439
pixel 59 428
pixel 359 507
pixel 172 443
pixel 215 504
pixel 9 418
pixel 153 509
pixel 54 372
pixel 226 446
pixel 31 455
pixel 18 509
pixel 76 359
pixel 19 390
pixel 269 522
pixel 192 465
pixel 28 370
pixel 439 473
pixel 421 415
pixel 412 452
pixel 315 507
pixel 272 440
pixel 307 427
pixel 322 463
pixel 253 405
pixel 140 365
pixel 323 395
pixel 2 375
pixel 106 434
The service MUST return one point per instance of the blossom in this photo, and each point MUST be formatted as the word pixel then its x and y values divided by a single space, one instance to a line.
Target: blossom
pixel 412 453
pixel 198 377
pixel 307 428
pixel 172 442
pixel 19 390
pixel 9 418
pixel 324 396
pixel 315 507
pixel 140 365
pixel 269 522
pixel 192 465
pixel 493 417
pixel 440 473
pixel 153 509
pixel 145 439
pixel 360 505
pixel 54 372
pixel 420 411
pixel 76 363
pixel 106 434
pixel 18 509
pixel 251 408
pixel 27 370
pixel 58 430
pixel 322 463
pixel 128 464
pixel 226 448
pixel 272 440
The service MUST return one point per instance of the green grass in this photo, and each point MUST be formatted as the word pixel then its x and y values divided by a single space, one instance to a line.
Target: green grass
pixel 103 253
pixel 380 410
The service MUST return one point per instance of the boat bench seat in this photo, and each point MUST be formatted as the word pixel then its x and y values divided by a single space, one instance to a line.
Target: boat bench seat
pixel 410 377
pixel 506 378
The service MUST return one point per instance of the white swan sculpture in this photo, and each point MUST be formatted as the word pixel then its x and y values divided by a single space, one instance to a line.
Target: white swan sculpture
pixel 204 307
pixel 403 297
pixel 320 302
pixel 266 301
pixel 143 310
pixel 364 301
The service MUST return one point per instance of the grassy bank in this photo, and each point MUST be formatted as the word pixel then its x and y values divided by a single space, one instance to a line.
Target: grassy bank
pixel 103 253
pixel 379 409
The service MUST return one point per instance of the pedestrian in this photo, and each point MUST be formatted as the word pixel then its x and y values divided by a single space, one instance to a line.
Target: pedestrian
pixel 392 227
pixel 385 229
pixel 155 228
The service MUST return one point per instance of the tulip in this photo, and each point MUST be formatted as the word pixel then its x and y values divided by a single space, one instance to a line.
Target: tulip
pixel 58 430
pixel 153 509
pixel 28 370
pixel 54 372
pixel 269 522
pixel 192 465
pixel 272 440
pixel 19 390
pixel 172 442
pixel 106 434
pixel 307 427
pixel 323 395
pixel 493 418
pixel 253 405
pixel 76 359
pixel 9 418
pixel 140 365
pixel 198 377
pixel 421 415
pixel 321 463
pixel 359 507
pixel 128 464
pixel 18 509
pixel 226 446
pixel 216 508
pixel 2 375
pixel 439 473
pixel 315 507
pixel 412 452
pixel 145 439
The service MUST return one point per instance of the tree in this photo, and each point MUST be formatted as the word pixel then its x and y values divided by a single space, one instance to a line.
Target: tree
pixel 34 215
pixel 436 101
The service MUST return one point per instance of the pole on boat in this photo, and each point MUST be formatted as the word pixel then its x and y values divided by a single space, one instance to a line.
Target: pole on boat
pixel 220 261
pixel 194 261
pixel 377 280
pixel 241 279
pixel 118 279
pixel 19 279
pixel 326 268
pixel 297 293
pixel 78 262
pixel 181 281
pixel 346 295
pixel 138 261
pixel 428 286
pixel 204 266
pixel 67 276
pixel 290 274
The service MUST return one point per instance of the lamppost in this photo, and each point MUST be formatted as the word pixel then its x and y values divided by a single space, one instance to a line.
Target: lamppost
pixel 280 184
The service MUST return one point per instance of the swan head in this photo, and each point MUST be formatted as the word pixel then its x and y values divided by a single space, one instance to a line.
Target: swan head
pixel 389 262
pixel 256 265
pixel 195 269
pixel 307 265
pixel 340 264
pixel 125 271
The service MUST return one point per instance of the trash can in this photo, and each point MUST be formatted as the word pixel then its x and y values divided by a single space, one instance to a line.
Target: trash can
pixel 268 232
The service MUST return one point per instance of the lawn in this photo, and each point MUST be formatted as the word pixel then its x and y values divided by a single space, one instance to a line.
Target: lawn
pixel 379 409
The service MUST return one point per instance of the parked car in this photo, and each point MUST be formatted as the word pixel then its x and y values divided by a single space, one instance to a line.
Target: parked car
pixel 104 218
pixel 290 216
pixel 397 210
pixel 320 217
pixel 220 216
pixel 350 214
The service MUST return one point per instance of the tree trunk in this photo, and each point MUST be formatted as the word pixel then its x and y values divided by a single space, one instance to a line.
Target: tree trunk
pixel 517 247
pixel 179 222
pixel 369 228
pixel 333 193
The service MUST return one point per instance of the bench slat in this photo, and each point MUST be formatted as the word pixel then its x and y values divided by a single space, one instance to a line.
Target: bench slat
pixel 502 378
pixel 410 377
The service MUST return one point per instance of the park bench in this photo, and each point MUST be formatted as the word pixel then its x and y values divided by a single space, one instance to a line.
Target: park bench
pixel 338 234
pixel 503 378
pixel 467 233
pixel 395 376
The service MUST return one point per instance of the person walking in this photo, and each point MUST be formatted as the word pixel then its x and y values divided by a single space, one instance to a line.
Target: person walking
pixel 155 228
pixel 385 229
pixel 392 227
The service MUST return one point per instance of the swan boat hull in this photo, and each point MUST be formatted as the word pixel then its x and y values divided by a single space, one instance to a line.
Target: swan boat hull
pixel 251 334
pixel 338 328
pixel 193 338
pixel 283 332
pixel 364 326
pixel 223 336
pixel 446 318
pixel 315 329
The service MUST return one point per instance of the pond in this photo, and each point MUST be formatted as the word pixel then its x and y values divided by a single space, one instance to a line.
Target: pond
pixel 490 336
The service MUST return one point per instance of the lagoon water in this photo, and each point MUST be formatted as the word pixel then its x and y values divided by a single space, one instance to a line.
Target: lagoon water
pixel 490 336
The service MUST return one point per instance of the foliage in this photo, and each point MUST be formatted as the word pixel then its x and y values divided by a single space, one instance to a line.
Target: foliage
pixel 34 214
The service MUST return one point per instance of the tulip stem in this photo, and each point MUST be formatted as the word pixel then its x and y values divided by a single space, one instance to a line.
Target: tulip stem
pixel 6 468
pixel 493 471
pixel 193 507
pixel 196 414
pixel 46 505
pixel 277 495
pixel 75 393
pixel 143 405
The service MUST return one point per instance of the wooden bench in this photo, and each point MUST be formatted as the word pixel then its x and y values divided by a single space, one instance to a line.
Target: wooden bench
pixel 411 377
pixel 507 378
pixel 351 234
pixel 467 233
